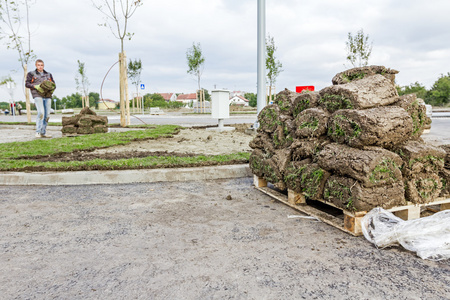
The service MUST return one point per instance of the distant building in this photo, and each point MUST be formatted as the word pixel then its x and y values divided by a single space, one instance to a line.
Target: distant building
pixel 107 104
pixel 238 100
pixel 237 93
pixel 169 96
pixel 187 98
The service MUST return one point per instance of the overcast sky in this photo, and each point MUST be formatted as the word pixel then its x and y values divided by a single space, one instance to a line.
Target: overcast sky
pixel 410 36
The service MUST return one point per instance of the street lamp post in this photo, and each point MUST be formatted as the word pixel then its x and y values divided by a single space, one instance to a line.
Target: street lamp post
pixel 261 82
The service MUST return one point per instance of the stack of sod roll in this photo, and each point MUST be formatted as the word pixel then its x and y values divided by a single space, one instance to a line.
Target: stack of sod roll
pixel 355 144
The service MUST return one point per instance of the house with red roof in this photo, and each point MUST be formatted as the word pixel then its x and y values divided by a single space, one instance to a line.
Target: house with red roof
pixel 169 96
pixel 238 100
pixel 187 98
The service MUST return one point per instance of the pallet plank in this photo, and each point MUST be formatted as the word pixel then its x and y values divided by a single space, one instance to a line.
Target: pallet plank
pixel 259 182
pixel 351 222
pixel 445 206
pixel 296 198
pixel 306 209
pixel 410 213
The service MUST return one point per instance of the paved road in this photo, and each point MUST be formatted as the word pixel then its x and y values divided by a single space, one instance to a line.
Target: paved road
pixel 187 241
pixel 17 133
pixel 169 118
pixel 439 133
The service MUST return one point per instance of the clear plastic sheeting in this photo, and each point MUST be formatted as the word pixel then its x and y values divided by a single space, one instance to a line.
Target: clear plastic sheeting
pixel 429 236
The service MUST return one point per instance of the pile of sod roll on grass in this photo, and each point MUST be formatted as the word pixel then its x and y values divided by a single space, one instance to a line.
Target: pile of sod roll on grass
pixel 355 144
pixel 43 154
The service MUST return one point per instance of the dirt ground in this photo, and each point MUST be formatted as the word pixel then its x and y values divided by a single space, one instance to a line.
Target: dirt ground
pixel 218 239
pixel 190 141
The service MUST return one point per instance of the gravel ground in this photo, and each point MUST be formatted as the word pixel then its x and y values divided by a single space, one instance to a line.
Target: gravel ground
pixel 187 241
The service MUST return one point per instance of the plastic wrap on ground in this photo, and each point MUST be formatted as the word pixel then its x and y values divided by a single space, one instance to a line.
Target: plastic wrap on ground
pixel 429 236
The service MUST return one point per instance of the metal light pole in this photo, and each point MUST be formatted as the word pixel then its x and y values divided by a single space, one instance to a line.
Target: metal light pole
pixel 261 97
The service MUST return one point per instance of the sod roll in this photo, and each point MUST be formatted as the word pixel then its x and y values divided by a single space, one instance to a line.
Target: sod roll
pixel 311 122
pixel 385 126
pixel 372 91
pixel 350 194
pixel 305 100
pixel 373 166
pixel 363 72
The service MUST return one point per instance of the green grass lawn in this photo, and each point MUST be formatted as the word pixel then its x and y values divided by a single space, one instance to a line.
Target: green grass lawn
pixel 19 156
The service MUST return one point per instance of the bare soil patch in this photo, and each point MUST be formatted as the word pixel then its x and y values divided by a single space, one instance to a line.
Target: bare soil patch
pixel 188 142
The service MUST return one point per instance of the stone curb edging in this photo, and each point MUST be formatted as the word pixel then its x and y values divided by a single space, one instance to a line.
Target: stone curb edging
pixel 125 176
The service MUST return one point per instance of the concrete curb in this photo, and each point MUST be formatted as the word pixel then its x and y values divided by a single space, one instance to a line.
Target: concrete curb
pixel 124 176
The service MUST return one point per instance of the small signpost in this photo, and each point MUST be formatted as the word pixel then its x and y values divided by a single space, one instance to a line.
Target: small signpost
pixel 142 98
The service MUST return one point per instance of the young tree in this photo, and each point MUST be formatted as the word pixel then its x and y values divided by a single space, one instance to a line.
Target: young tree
pixel 358 49
pixel 134 73
pixel 18 37
pixel 195 61
pixel 5 80
pixel 117 14
pixel 82 83
pixel 206 94
pixel 273 66
pixel 10 85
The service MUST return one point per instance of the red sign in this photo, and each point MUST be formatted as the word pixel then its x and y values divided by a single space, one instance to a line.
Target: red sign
pixel 299 89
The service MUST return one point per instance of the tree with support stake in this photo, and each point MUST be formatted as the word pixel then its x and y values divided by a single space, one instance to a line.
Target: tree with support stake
pixel 118 13
pixel 273 65
pixel 82 84
pixel 12 19
pixel 196 62
pixel 134 73
pixel 10 85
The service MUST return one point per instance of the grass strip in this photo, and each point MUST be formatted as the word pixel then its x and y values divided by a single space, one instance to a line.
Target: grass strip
pixel 149 162
pixel 44 147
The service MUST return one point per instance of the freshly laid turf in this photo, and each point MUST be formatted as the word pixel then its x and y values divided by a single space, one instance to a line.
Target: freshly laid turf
pixel 24 156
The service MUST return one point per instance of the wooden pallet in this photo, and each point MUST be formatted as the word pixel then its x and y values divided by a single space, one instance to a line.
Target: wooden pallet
pixel 347 221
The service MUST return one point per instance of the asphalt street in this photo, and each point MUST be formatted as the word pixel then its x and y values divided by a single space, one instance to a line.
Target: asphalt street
pixel 186 120
pixel 439 133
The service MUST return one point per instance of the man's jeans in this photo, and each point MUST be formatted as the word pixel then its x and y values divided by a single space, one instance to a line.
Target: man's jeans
pixel 43 113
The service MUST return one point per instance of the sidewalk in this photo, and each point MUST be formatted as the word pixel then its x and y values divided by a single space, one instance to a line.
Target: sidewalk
pixel 125 176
